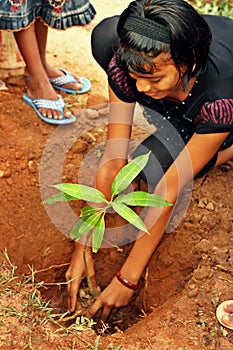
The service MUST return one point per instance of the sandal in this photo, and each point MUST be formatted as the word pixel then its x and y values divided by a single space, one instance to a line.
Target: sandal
pixel 58 105
pixel 67 78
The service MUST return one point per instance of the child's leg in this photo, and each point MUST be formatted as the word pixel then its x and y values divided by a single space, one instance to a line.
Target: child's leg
pixel 40 86
pixel 225 155
pixel 163 155
pixel 41 31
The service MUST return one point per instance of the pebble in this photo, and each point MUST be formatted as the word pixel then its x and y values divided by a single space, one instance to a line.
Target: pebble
pixel 9 181
pixel 190 225
pixel 5 173
pixel 210 206
pixel 92 113
pixel 202 272
pixel 201 204
pixel 18 155
pixel 79 147
pixel 22 166
pixel 32 166
pixel 203 246
pixel 193 293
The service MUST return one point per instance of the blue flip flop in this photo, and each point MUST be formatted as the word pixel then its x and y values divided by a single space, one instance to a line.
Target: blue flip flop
pixel 67 78
pixel 58 105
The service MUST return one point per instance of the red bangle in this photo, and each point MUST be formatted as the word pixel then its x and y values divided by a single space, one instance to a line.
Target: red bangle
pixel 125 282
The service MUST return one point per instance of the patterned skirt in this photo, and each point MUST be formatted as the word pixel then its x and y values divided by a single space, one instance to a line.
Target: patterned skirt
pixel 58 14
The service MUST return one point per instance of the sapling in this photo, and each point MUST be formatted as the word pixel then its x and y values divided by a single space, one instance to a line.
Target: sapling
pixel 92 218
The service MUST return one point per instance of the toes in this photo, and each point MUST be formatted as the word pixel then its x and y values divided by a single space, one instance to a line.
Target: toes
pixel 67 113
pixel 53 114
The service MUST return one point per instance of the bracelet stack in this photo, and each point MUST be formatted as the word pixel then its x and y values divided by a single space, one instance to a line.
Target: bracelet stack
pixel 125 282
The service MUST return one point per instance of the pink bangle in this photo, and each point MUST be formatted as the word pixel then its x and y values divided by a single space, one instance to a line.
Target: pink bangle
pixel 125 282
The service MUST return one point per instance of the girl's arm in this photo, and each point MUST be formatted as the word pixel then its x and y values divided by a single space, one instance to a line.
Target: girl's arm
pixel 118 138
pixel 114 158
pixel 199 150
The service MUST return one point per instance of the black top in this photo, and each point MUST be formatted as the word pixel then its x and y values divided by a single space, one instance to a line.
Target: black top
pixel 209 106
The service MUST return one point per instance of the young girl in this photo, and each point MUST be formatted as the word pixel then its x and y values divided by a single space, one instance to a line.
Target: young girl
pixel 178 65
pixel 29 20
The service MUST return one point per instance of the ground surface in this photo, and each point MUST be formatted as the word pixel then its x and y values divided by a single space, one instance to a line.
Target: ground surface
pixel 188 276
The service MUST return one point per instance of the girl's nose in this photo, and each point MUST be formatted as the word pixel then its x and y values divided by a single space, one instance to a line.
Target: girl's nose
pixel 143 85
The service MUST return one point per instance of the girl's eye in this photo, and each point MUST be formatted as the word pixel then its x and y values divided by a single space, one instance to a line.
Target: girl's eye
pixel 155 81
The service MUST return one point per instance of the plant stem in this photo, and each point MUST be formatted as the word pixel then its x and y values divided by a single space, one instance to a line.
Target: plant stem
pixel 89 283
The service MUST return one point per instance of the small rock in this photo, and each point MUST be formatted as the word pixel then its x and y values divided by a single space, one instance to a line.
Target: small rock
pixel 201 204
pixel 18 155
pixel 23 165
pixel 79 147
pixel 203 246
pixel 202 272
pixel 210 206
pixel 190 225
pixel 204 200
pixel 9 181
pixel 32 166
pixel 92 113
pixel 193 293
pixel 31 156
pixel 5 173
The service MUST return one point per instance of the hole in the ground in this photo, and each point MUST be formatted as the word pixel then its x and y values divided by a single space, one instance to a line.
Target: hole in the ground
pixel 164 278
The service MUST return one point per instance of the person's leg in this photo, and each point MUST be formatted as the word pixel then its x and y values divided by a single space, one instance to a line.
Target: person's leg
pixel 39 85
pixel 41 32
pixel 224 156
pixel 163 154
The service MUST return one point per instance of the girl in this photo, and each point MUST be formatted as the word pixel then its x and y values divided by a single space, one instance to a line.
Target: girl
pixel 178 65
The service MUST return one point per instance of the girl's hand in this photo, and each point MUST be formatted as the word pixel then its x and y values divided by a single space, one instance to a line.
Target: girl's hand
pixel 113 296
pixel 76 272
pixel 106 174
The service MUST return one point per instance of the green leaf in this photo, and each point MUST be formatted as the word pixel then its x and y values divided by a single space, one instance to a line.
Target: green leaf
pixel 82 192
pixel 142 198
pixel 84 225
pixel 87 211
pixel 129 215
pixel 98 234
pixel 59 197
pixel 128 173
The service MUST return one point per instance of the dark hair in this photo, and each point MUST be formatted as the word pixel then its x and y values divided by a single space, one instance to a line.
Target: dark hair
pixel 190 36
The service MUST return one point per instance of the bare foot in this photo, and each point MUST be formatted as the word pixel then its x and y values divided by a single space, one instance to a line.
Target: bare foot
pixel 43 89
pixel 55 72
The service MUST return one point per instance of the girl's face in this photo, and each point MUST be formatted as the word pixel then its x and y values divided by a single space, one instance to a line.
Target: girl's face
pixel 164 81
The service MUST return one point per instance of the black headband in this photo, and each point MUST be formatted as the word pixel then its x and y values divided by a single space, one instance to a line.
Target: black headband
pixel 147 27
